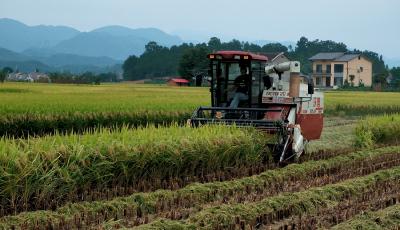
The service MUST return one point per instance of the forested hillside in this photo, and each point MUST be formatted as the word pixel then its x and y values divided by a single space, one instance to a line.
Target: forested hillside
pixel 187 59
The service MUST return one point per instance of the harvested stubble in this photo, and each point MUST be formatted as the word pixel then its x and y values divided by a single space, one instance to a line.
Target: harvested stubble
pixel 332 216
pixel 61 167
pixel 388 218
pixel 270 183
pixel 289 204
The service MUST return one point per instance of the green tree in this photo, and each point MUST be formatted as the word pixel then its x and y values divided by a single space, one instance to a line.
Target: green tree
pixel 3 76
pixel 274 47
pixel 233 45
pixel 396 83
pixel 381 78
pixel 346 84
pixel 254 48
pixel 129 67
pixel 109 77
pixel 214 44
pixel 395 71
pixel 192 61
pixel 352 77
pixel 8 70
pixel 153 47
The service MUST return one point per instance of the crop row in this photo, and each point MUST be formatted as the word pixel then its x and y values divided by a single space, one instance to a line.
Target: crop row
pixel 40 109
pixel 327 217
pixel 287 205
pixel 378 129
pixel 270 183
pixel 46 99
pixel 387 218
pixel 35 124
pixel 150 185
pixel 60 167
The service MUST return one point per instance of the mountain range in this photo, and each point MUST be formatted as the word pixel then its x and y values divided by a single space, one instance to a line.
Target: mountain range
pixel 56 48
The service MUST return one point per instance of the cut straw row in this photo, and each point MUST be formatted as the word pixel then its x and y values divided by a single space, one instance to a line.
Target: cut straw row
pixel 214 192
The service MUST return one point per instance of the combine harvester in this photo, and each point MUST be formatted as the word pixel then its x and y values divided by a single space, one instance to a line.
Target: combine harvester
pixel 281 104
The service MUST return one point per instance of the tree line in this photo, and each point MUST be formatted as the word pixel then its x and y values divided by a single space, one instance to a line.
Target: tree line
pixel 187 59
pixel 85 78
pixel 67 77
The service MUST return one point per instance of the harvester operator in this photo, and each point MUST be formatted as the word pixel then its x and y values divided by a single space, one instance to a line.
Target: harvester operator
pixel 241 85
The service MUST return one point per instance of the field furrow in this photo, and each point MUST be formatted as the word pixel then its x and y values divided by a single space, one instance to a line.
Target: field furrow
pixel 144 207
pixel 322 200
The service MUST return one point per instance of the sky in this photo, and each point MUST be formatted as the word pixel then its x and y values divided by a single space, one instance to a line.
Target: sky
pixel 372 25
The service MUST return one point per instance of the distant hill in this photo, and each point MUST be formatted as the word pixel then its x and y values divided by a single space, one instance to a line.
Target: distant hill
pixel 27 66
pixel 102 44
pixel 147 34
pixel 392 62
pixel 18 37
pixel 115 42
pixel 204 36
pixel 8 55
pixel 55 62
pixel 197 36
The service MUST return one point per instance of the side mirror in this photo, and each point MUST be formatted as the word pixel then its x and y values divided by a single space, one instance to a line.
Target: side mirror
pixel 199 78
pixel 310 86
pixel 267 81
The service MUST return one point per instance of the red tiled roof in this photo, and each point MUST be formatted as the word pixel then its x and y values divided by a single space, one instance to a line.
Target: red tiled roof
pixel 180 80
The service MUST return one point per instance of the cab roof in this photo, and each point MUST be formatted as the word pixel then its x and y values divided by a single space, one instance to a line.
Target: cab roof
pixel 231 55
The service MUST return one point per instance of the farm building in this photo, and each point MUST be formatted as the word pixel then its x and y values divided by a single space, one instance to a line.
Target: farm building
pixel 275 58
pixel 178 82
pixel 333 68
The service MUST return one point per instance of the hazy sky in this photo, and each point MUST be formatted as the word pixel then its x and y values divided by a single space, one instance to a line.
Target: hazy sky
pixel 363 24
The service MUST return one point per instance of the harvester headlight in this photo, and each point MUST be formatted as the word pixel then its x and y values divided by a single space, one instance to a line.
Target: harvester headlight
pixel 218 56
pixel 245 57
pixel 237 56
pixel 211 56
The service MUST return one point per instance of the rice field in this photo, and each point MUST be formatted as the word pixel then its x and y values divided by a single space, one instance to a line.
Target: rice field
pixel 37 109
pixel 119 156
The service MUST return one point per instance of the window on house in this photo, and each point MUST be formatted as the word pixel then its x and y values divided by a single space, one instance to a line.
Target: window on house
pixel 338 81
pixel 361 69
pixel 328 68
pixel 359 57
pixel 318 81
pixel 319 69
pixel 338 68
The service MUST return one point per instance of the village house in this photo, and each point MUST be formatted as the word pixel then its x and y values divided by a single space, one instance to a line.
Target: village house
pixel 35 76
pixel 32 76
pixel 331 69
pixel 276 58
pixel 18 76
pixel 178 82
